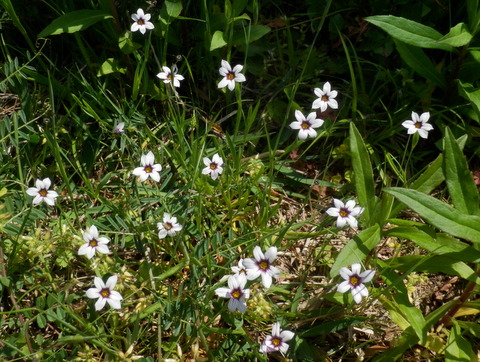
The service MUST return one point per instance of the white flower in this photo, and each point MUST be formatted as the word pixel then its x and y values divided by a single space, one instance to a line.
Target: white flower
pixel 42 193
pixel 306 125
pixel 118 129
pixel 276 342
pixel 325 98
pixel 230 76
pixel 214 167
pixel 141 22
pixel 148 168
pixel 236 293
pixel 168 75
pixel 418 124
pixel 93 243
pixel 354 280
pixel 262 265
pixel 169 226
pixel 345 213
pixel 239 269
pixel 105 293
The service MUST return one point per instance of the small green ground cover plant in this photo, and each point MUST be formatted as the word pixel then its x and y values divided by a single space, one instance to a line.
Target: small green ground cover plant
pixel 239 180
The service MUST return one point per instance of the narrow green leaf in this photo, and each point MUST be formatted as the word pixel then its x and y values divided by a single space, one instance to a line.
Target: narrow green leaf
pixel 363 173
pixel 461 187
pixel 356 249
pixel 458 36
pixel 441 245
pixel 458 348
pixel 439 214
pixel 416 59
pixel 217 40
pixel 74 21
pixel 436 264
pixel 409 31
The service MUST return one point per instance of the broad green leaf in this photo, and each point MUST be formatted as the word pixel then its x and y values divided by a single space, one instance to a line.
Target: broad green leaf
pixel 458 36
pixel 441 244
pixel 126 44
pixel 74 21
pixel 217 40
pixel 461 187
pixel 458 348
pixel 250 34
pixel 470 93
pixel 439 214
pixel 363 173
pixel 174 8
pixel 416 59
pixel 409 31
pixel 356 249
pixel 110 66
pixel 434 264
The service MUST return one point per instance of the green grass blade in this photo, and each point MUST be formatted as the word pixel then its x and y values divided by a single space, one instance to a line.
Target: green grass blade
pixel 461 187
pixel 362 168
pixel 74 21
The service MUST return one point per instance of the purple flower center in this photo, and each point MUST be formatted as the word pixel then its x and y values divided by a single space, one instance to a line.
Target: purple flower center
pixel 305 125
pixel 236 293
pixel 263 265
pixel 355 280
pixel 105 292
pixel 276 341
pixel 93 243
pixel 230 76
pixel 324 98
pixel 418 125
pixel 140 21
pixel 148 169
pixel 43 192
pixel 213 166
pixel 344 212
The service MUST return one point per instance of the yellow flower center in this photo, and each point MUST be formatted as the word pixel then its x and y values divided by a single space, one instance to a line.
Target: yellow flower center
pixel 231 76
pixel 148 169
pixel 305 125
pixel 93 243
pixel 418 125
pixel 213 166
pixel 236 294
pixel 167 225
pixel 344 212
pixel 105 293
pixel 43 192
pixel 325 98
pixel 141 21
pixel 354 280
pixel 263 265
pixel 276 341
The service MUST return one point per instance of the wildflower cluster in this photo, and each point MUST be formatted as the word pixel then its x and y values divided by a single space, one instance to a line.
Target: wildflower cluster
pixel 260 266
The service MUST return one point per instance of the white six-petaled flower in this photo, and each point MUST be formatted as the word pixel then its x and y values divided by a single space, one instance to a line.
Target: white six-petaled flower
pixel 170 75
pixel 118 129
pixel 230 76
pixel 41 192
pixel 345 213
pixel 262 265
pixel 418 124
pixel 149 168
pixel 141 22
pixel 354 281
pixel 235 292
pixel 326 98
pixel 306 126
pixel 277 341
pixel 214 167
pixel 169 226
pixel 93 243
pixel 239 269
pixel 105 293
